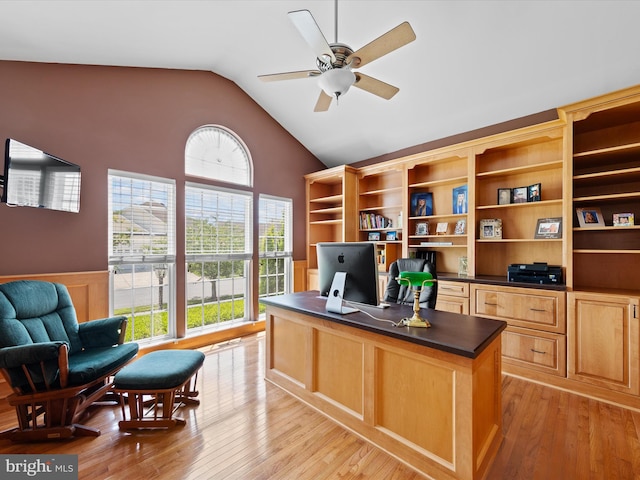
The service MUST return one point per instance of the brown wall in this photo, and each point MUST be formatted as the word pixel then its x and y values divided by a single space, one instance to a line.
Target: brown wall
pixel 131 119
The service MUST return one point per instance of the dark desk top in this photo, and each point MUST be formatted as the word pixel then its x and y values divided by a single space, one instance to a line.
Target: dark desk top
pixel 462 335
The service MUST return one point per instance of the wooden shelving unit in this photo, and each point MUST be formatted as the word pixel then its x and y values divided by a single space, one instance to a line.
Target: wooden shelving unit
pixel 533 156
pixel 438 174
pixel 381 192
pixel 605 162
pixel 331 212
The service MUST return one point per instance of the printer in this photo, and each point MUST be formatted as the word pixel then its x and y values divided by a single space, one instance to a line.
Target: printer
pixel 538 272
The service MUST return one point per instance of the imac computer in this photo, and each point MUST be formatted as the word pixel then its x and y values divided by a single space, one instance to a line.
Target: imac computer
pixel 348 271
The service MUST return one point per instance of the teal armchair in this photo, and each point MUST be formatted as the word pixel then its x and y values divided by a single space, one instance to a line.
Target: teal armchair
pixel 55 366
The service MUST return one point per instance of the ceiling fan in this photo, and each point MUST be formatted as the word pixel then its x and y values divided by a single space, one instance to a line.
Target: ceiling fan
pixel 336 61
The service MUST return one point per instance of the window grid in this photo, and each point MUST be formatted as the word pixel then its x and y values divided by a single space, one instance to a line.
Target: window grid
pixel 218 253
pixel 275 246
pixel 142 254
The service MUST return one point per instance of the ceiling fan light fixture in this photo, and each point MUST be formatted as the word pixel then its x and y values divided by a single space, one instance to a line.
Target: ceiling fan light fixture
pixel 336 82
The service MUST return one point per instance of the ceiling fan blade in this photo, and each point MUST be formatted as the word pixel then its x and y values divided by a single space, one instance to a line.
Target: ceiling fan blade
pixel 323 103
pixel 377 87
pixel 289 75
pixel 390 41
pixel 308 28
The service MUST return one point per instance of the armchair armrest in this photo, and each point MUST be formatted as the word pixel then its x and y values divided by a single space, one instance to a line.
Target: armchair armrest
pixel 105 332
pixel 35 364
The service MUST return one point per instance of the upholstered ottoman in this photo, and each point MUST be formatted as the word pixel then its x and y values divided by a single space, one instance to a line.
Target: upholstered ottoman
pixel 168 376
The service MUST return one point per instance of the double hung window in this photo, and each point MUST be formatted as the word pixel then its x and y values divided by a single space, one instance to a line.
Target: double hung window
pixel 142 254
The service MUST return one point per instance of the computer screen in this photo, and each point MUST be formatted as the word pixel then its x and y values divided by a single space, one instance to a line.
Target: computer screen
pixel 358 261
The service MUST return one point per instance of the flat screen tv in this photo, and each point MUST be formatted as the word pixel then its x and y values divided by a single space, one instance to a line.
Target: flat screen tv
pixel 33 178
pixel 358 261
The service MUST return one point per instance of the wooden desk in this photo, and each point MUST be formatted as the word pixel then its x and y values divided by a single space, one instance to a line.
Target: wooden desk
pixel 429 397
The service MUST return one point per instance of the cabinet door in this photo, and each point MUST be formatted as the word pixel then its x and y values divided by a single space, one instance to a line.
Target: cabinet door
pixel 603 341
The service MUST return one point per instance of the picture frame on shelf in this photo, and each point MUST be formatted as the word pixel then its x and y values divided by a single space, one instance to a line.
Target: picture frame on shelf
pixel 505 196
pixel 590 217
pixel 549 228
pixel 442 228
pixel 623 220
pixel 422 228
pixel 460 203
pixel 461 227
pixel 391 236
pixel 491 229
pixel 421 204
pixel 535 192
pixel 374 236
pixel 520 195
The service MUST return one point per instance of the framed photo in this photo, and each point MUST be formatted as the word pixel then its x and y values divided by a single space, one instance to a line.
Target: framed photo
pixel 520 194
pixel 504 196
pixel 491 229
pixel 421 204
pixel 460 199
pixel 549 228
pixel 391 236
pixel 461 227
pixel 535 192
pixel 442 228
pixel 590 217
pixel 374 236
pixel 623 220
pixel 422 228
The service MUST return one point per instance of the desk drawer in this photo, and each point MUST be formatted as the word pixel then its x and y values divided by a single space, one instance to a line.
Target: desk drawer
pixel 545 352
pixel 453 304
pixel 455 289
pixel 538 309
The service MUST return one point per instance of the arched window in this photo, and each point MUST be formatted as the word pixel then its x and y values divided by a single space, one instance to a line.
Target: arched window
pixel 216 153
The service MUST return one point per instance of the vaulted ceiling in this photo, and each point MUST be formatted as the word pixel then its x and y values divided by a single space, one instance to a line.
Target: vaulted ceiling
pixel 473 63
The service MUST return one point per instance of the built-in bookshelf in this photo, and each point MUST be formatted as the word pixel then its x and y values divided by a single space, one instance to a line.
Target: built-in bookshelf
pixel 605 160
pixel 519 181
pixel 434 178
pixel 380 197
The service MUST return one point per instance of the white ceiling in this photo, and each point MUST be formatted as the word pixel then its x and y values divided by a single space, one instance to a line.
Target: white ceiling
pixel 473 64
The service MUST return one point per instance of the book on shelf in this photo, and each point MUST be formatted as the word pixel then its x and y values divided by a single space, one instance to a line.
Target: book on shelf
pixel 370 221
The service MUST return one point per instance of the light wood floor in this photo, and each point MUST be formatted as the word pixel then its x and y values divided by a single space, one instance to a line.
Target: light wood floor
pixel 248 429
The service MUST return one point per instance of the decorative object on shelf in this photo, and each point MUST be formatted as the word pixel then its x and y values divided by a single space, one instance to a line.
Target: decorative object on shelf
pixel 460 199
pixel 422 228
pixel 461 227
pixel 590 217
pixel 623 220
pixel 374 236
pixel 535 192
pixel 549 228
pixel 520 194
pixel 504 196
pixel 421 204
pixel 491 229
pixel 463 266
pixel 442 228
pixel 391 237
pixel 416 280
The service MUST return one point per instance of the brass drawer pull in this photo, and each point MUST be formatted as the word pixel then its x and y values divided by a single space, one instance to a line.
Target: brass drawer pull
pixel 537 310
pixel 538 351
pixel 491 304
